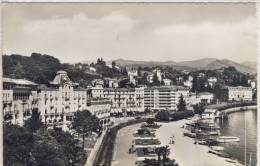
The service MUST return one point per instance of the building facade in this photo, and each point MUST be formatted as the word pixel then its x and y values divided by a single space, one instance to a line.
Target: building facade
pixel 236 93
pixel 101 107
pixel 58 102
pixel 164 98
pixel 121 99
pixel 202 97
pixel 19 98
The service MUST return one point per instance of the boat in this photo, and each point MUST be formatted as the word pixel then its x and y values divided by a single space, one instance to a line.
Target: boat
pixel 217 148
pixel 201 142
pixel 215 152
pixel 189 134
pixel 224 139
pixel 232 161
pixel 224 155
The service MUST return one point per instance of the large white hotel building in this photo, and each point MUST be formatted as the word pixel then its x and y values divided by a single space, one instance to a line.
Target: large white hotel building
pixel 122 99
pixel 164 98
pixel 58 101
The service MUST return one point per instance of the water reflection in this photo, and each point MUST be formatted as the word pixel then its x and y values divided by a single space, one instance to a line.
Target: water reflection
pixel 242 125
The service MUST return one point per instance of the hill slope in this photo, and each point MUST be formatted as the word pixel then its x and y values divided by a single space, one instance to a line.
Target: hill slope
pixel 205 63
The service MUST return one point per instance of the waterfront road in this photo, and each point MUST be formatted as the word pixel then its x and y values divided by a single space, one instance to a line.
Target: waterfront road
pixel 123 143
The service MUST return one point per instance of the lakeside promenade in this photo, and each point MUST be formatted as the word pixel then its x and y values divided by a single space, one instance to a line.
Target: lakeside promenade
pixel 184 151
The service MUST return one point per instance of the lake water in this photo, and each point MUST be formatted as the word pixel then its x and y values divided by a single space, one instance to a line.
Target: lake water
pixel 242 125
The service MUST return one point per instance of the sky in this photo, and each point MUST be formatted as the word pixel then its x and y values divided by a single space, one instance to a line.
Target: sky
pixel 78 32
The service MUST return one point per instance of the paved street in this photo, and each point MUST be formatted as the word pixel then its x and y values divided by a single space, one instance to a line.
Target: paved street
pixel 123 143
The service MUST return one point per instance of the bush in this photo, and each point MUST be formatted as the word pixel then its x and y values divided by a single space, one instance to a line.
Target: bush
pixel 163 115
pixel 198 108
pixel 181 115
pixel 150 120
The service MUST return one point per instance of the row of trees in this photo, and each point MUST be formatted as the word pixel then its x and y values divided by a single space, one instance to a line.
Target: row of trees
pixel 162 160
pixel 35 144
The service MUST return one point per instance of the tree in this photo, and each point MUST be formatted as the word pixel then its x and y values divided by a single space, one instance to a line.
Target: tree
pixel 182 104
pixel 156 81
pixel 165 153
pixel 150 121
pixel 124 71
pixel 84 123
pixel 18 144
pixel 143 80
pixel 34 122
pixel 71 150
pixel 113 64
pixel 52 147
pixel 163 115
pixel 254 95
pixel 47 151
pixel 194 84
pixel 198 108
pixel 158 151
pixel 139 69
pixel 217 89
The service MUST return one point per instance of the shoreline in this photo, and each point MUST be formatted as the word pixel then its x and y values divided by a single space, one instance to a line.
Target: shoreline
pixel 237 109
pixel 184 151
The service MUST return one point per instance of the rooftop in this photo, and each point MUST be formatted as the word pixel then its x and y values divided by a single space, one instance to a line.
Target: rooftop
pixel 19 81
pixel 172 87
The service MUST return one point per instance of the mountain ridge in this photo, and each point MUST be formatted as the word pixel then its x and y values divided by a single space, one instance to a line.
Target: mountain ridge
pixel 199 64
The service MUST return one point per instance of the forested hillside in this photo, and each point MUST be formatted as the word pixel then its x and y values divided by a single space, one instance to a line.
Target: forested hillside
pixel 42 69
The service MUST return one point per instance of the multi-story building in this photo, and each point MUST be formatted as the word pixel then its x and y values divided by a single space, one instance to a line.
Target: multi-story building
pixel 101 107
pixel 164 98
pixel 158 73
pixel 122 99
pixel 19 98
pixel 132 74
pixel 150 78
pixel 252 83
pixel 212 81
pixel 237 93
pixel 59 101
pixel 167 82
pixel 188 84
pixel 111 82
pixel 202 97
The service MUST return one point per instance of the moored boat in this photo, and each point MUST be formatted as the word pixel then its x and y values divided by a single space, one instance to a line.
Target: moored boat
pixel 189 134
pixel 201 142
pixel 224 139
pixel 217 148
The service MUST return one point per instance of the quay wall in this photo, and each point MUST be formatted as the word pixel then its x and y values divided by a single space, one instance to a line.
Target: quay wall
pixel 236 109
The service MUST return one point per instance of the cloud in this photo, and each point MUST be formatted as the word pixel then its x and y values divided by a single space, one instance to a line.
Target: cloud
pixel 137 32
pixel 78 35
pixel 211 39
